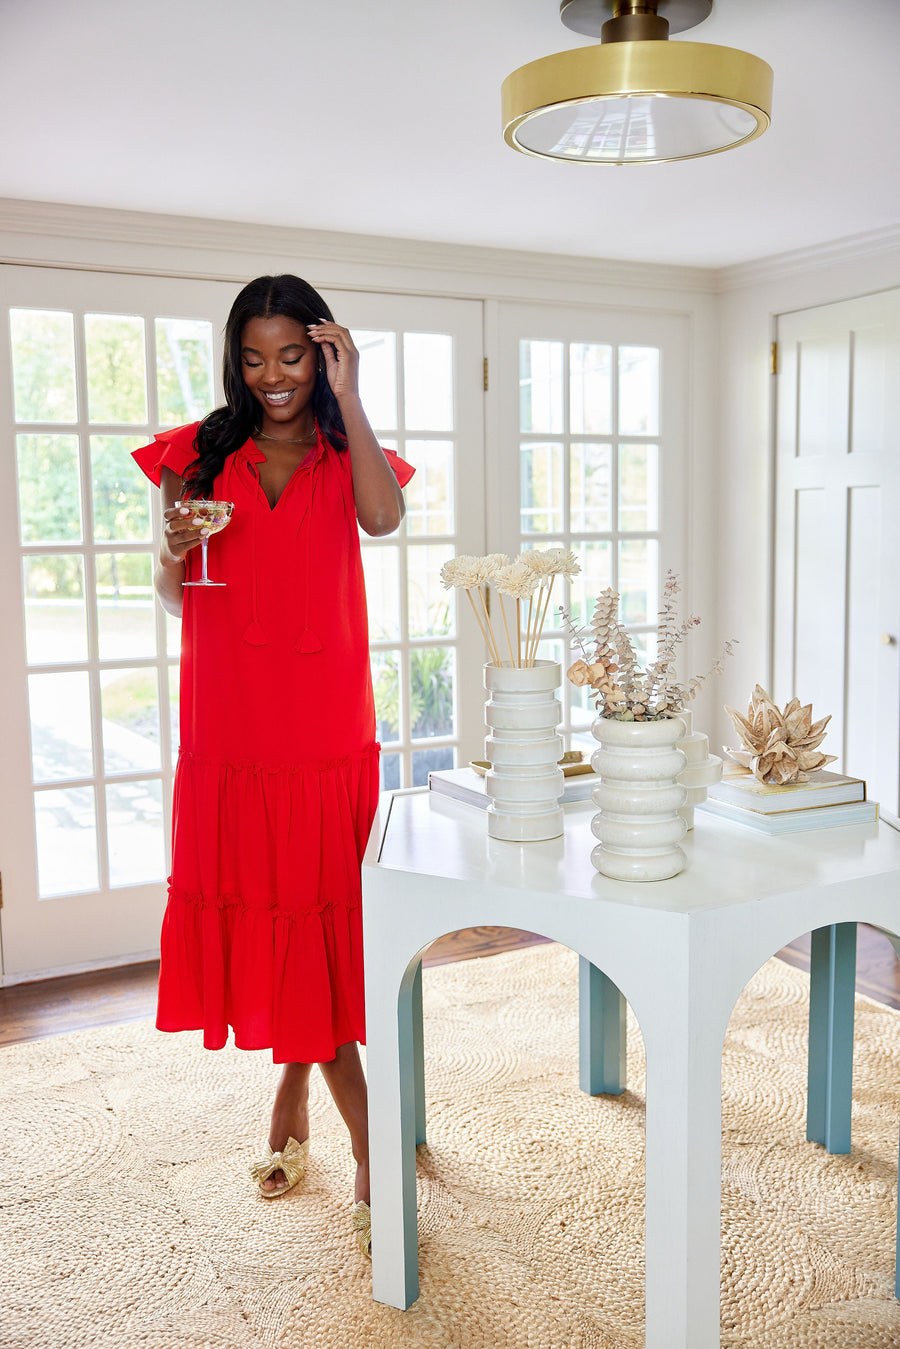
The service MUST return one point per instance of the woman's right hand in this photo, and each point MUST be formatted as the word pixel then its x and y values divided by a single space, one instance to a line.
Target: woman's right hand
pixel 181 532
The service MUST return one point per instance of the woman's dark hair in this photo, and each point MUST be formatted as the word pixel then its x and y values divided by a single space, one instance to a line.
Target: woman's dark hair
pixel 226 429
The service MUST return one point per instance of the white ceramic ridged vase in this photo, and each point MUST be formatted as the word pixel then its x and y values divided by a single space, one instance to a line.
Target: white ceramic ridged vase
pixel 524 781
pixel 638 823
pixel 702 770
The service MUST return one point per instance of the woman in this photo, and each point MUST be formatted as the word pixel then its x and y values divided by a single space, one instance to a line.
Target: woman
pixel 277 775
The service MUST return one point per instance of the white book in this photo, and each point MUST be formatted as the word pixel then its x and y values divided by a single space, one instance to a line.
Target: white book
pixel 740 788
pixel 794 821
pixel 464 784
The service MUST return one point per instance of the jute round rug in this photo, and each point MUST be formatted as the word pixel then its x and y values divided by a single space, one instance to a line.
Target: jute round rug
pixel 127 1216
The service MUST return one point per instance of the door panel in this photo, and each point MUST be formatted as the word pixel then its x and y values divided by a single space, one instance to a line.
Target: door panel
pixel 837 559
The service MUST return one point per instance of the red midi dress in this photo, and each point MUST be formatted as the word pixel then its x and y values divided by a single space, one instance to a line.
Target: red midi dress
pixel 277 776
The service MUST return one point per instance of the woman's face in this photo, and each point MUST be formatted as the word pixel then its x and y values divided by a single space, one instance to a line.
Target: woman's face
pixel 279 364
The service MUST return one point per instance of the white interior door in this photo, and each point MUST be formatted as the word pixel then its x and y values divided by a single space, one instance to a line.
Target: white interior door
pixel 593 435
pixel 422 386
pixel 92 365
pixel 837 549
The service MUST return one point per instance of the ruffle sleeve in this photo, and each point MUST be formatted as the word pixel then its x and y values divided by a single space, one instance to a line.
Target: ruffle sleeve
pixel 170 449
pixel 402 470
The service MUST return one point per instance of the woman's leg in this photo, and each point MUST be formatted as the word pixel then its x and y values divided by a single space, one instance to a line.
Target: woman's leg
pixel 290 1114
pixel 344 1079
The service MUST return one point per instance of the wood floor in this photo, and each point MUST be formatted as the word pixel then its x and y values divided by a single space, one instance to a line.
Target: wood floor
pixel 128 993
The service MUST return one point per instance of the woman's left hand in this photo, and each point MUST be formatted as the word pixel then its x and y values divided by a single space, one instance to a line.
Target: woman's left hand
pixel 340 356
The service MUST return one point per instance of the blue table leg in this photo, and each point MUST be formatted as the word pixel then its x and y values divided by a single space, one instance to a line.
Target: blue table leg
pixel 832 984
pixel 418 1053
pixel 897 1262
pixel 601 1032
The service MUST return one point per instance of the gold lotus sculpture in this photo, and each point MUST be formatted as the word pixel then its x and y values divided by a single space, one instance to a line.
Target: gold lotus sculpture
pixel 779 747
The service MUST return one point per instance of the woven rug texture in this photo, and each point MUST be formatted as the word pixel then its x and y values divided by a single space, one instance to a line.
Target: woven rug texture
pixel 128 1218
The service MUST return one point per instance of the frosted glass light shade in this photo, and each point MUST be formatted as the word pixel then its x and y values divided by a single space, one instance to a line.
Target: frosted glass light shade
pixel 636 102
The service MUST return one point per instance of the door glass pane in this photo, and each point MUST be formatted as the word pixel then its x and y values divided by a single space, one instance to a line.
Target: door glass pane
pixel 378 377
pixel 431 689
pixel 431 611
pixel 428 381
pixel 638 487
pixel 540 386
pixel 60 709
pixel 595 576
pixel 645 645
pixel 55 626
pixel 121 493
pixel 49 489
pixel 638 580
pixel 429 496
pixel 116 368
pixel 184 370
pixel 129 701
pixel 638 391
pixel 173 635
pixel 174 703
pixel 389 772
pixel 43 360
pixel 382 573
pixel 590 388
pixel 66 827
pixel 425 761
pixel 125 619
pixel 589 487
pixel 134 821
pixel 386 684
pixel 541 486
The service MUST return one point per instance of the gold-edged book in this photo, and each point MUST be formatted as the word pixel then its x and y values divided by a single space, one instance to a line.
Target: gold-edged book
pixel 740 788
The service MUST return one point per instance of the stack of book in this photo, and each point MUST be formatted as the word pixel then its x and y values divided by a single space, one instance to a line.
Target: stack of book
pixel 468 784
pixel 828 799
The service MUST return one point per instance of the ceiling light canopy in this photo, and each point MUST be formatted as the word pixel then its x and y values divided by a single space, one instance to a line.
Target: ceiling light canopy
pixel 636 98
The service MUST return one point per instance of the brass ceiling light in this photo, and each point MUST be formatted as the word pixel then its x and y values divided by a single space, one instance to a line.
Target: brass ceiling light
pixel 636 98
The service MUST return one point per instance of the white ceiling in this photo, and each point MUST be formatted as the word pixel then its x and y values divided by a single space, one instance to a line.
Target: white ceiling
pixel 384 118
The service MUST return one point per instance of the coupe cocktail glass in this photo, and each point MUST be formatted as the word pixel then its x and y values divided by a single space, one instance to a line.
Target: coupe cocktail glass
pixel 214 516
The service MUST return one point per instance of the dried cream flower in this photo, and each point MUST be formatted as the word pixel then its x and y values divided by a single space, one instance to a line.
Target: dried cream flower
pixel 563 562
pixel 517 580
pixel 493 563
pixel 540 562
pixel 462 573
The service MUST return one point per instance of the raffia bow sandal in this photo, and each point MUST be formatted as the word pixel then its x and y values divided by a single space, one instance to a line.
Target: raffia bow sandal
pixel 362 1227
pixel 291 1160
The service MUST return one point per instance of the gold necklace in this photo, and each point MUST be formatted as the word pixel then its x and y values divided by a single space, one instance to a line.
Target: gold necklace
pixel 287 440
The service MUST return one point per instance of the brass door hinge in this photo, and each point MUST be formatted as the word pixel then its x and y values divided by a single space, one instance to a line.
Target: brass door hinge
pixel 773 359
pixel 485 374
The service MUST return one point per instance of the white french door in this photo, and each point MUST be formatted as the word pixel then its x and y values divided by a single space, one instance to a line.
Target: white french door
pixel 593 425
pixel 92 364
pixel 837 546
pixel 422 386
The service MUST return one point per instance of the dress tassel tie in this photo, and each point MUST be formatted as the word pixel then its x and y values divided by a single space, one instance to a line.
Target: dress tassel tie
pixel 254 634
pixel 309 641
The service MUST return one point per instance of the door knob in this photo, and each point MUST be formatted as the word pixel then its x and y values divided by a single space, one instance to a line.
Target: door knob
pixel 887 639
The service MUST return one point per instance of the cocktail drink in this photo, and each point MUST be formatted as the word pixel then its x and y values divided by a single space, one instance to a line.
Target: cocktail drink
pixel 212 516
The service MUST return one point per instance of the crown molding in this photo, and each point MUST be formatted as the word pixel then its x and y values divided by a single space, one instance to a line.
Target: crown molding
pixel 818 257
pixel 191 236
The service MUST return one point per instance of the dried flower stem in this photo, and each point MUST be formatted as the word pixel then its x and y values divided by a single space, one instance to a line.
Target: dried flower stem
pixel 542 617
pixel 519 630
pixel 478 619
pixel 490 627
pixel 512 657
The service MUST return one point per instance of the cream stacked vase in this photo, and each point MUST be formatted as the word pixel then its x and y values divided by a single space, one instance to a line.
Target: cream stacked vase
pixel 702 768
pixel 639 798
pixel 524 782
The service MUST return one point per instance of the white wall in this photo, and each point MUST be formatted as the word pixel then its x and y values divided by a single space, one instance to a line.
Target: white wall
pixel 750 298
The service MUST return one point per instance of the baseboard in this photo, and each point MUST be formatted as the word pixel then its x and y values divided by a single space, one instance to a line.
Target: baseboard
pixel 83 967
